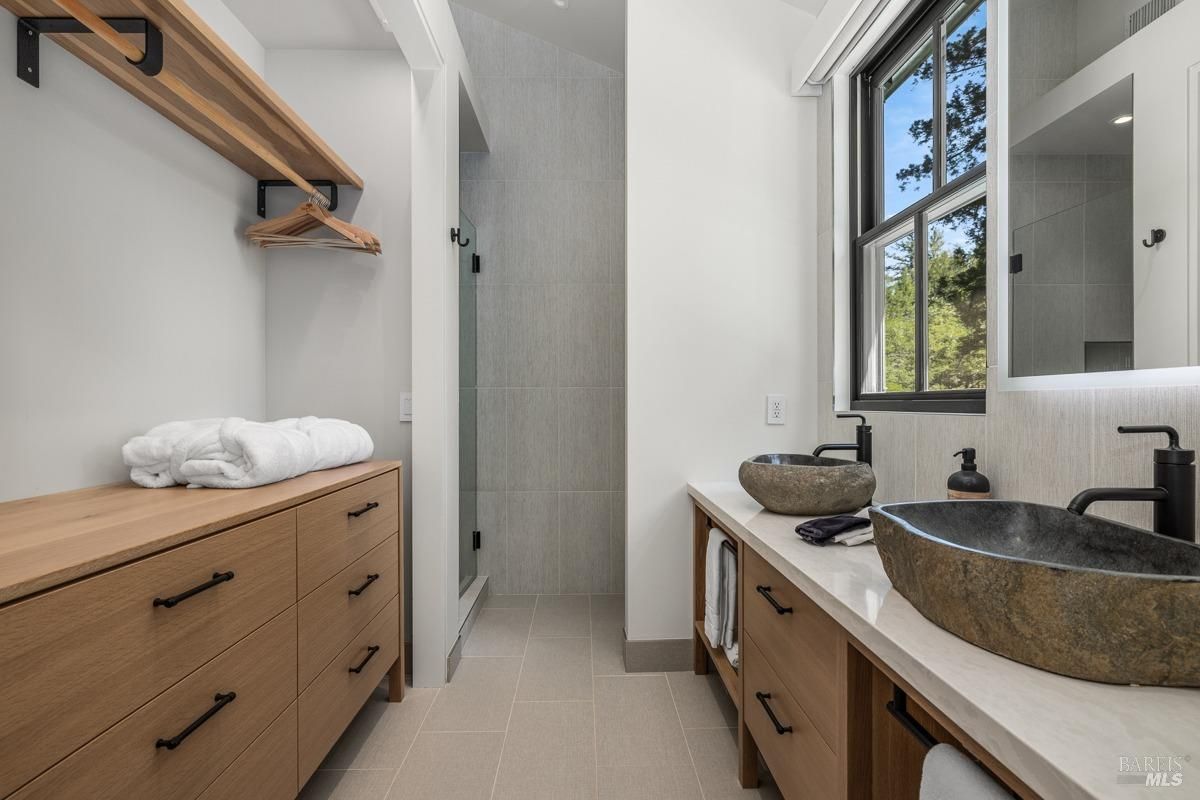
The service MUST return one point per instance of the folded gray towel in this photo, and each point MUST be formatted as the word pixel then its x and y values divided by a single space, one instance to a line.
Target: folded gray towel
pixel 820 531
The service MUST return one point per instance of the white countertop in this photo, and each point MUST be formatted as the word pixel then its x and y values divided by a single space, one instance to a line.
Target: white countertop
pixel 1064 737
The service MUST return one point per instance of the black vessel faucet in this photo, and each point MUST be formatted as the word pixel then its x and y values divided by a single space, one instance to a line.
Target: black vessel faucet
pixel 1173 493
pixel 862 440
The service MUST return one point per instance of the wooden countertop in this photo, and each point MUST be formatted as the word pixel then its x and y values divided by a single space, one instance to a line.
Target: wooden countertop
pixel 49 540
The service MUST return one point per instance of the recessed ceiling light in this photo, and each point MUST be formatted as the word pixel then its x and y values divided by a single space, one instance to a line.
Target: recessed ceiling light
pixel 1122 119
pixel 562 3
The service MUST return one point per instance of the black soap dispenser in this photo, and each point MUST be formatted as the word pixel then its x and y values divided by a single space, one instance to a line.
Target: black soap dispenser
pixel 968 483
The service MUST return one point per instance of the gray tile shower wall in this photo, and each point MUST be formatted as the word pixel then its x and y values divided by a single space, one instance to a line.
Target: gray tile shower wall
pixel 1042 446
pixel 548 203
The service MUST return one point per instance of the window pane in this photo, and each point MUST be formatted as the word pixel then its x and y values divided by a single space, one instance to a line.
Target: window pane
pixel 908 131
pixel 956 322
pixel 890 316
pixel 966 87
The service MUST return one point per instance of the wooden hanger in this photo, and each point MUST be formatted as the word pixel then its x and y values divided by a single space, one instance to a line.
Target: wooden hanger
pixel 288 231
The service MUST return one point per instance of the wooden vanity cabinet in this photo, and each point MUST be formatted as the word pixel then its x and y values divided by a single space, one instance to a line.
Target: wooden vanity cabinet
pixel 812 701
pixel 208 643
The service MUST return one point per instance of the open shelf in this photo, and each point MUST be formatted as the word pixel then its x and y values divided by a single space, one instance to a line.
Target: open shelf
pixel 199 58
pixel 727 672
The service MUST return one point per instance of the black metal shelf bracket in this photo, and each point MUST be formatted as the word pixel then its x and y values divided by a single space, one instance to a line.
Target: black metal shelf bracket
pixel 29 37
pixel 898 708
pixel 264 185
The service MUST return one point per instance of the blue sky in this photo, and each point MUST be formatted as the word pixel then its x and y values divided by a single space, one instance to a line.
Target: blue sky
pixel 912 101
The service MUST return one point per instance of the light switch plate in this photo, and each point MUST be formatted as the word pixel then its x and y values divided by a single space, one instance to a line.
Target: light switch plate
pixel 776 409
pixel 406 407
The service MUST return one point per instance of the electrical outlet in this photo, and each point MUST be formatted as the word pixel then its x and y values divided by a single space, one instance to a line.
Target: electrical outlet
pixel 776 409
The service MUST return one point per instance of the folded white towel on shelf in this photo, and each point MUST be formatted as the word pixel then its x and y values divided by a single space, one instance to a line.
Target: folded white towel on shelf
pixel 234 453
pixel 949 775
pixel 714 597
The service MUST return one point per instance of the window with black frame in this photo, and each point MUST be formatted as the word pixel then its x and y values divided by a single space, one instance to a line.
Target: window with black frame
pixel 920 213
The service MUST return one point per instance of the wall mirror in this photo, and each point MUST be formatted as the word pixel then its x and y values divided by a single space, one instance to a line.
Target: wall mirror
pixel 1102 99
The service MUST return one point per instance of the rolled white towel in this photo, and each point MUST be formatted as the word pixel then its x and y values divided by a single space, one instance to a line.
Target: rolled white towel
pixel 949 775
pixel 149 456
pixel 336 441
pixel 246 454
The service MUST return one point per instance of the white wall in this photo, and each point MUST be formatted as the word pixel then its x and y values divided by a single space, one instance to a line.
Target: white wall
pixel 128 296
pixel 721 276
pixel 339 336
pixel 435 181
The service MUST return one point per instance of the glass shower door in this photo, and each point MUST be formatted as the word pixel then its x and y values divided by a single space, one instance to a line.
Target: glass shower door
pixel 468 460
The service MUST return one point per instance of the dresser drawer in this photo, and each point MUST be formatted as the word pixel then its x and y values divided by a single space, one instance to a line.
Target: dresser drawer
pixel 338 528
pixel 329 704
pixel 266 770
pixel 77 659
pixel 801 763
pixel 332 614
pixel 132 759
pixel 799 640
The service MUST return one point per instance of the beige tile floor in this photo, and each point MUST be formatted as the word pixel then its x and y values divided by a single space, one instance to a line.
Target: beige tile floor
pixel 541 709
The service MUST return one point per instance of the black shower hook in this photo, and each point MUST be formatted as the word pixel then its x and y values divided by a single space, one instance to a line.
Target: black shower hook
pixel 1156 236
pixel 456 236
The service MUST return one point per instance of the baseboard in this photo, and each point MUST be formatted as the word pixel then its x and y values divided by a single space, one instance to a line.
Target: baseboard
pixel 658 655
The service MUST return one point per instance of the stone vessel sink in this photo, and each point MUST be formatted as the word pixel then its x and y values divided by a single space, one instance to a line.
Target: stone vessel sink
pixel 807 486
pixel 1076 595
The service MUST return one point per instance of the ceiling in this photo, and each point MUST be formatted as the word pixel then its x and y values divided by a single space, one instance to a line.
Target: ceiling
pixel 1088 127
pixel 594 29
pixel 313 24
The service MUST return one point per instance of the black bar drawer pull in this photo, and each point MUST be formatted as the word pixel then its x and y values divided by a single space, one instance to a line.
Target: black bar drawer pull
pixel 371 651
pixel 171 602
pixel 220 701
pixel 363 510
pixel 763 697
pixel 765 591
pixel 370 579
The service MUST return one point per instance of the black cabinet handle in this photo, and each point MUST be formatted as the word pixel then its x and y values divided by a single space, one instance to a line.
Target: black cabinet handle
pixel 220 701
pixel 763 697
pixel 363 510
pixel 765 591
pixel 370 579
pixel 171 602
pixel 371 651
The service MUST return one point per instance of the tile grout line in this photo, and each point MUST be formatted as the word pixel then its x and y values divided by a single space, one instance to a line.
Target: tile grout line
pixel 595 712
pixel 683 731
pixel 413 743
pixel 512 706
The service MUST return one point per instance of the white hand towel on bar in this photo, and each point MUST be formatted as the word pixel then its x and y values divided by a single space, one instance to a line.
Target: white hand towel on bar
pixel 729 572
pixel 714 621
pixel 949 775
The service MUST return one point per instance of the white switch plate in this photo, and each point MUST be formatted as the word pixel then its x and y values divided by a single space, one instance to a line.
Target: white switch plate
pixel 776 409
pixel 406 406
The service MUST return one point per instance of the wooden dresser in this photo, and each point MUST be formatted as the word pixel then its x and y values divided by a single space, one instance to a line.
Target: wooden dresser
pixel 195 643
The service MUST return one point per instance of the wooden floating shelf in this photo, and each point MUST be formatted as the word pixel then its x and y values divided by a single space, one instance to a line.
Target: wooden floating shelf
pixel 198 57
